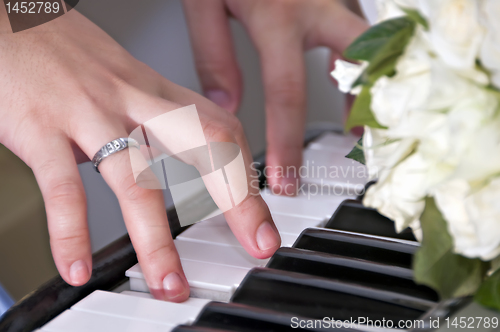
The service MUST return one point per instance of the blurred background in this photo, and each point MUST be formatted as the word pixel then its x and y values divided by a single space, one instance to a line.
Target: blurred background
pixel 155 32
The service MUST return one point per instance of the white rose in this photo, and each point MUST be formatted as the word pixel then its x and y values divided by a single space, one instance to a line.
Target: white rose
pixel 451 86
pixel 346 73
pixel 389 9
pixel 393 97
pixel 383 153
pixel 481 157
pixel 421 84
pixel 490 48
pixel 448 136
pixel 400 196
pixel 438 143
pixel 455 32
pixel 473 218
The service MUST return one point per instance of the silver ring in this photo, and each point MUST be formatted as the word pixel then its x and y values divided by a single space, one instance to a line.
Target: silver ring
pixel 113 147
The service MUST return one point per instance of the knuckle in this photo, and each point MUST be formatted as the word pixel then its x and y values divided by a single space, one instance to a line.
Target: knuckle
pixel 124 184
pixel 59 190
pixel 288 94
pixel 69 240
pixel 215 132
pixel 65 192
pixel 160 252
pixel 235 124
pixel 207 66
pixel 279 12
pixel 133 192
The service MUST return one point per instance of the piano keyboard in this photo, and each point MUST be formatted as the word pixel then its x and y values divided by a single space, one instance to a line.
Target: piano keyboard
pixel 107 311
pixel 339 260
pixel 212 258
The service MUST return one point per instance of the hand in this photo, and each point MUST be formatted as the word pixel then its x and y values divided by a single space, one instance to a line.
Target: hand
pixel 281 30
pixel 66 89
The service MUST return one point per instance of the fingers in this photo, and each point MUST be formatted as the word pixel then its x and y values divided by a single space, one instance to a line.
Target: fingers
pixel 250 220
pixel 143 210
pixel 281 50
pixel 59 180
pixel 213 52
pixel 285 91
pixel 253 226
pixel 146 220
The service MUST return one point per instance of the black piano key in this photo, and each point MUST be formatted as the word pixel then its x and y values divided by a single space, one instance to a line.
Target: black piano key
pixel 381 250
pixel 240 317
pixel 315 297
pixel 352 216
pixel 365 273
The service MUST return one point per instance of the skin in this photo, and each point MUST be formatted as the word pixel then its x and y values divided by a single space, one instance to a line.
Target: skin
pixel 67 88
pixel 281 30
pixel 62 98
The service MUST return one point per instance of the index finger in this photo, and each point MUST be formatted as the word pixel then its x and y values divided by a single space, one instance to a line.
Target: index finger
pixel 285 92
pixel 249 218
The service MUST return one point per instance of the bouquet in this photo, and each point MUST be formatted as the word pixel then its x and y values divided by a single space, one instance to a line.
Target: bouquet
pixel 427 80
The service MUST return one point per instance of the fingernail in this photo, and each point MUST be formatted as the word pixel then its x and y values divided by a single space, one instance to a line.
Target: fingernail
pixel 220 97
pixel 267 237
pixel 78 273
pixel 174 286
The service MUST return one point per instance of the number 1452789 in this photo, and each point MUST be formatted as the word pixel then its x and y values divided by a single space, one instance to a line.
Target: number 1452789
pixel 38 7
pixel 472 322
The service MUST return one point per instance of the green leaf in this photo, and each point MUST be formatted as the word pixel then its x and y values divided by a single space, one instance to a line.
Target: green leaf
pixel 416 16
pixel 488 294
pixel 357 152
pixel 361 113
pixel 385 67
pixel 384 62
pixel 436 265
pixel 370 43
pixel 381 46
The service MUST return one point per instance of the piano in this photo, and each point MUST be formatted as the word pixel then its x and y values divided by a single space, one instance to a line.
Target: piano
pixel 341 265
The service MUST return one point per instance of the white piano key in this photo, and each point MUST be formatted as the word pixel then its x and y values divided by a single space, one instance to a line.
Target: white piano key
pixel 206 280
pixel 217 231
pixel 217 254
pixel 214 271
pixel 211 281
pixel 193 302
pixel 213 230
pixel 139 309
pixel 309 205
pixel 334 142
pixel 138 294
pixel 325 169
pixel 80 321
pixel 223 235
pixel 134 272
pixel 295 225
